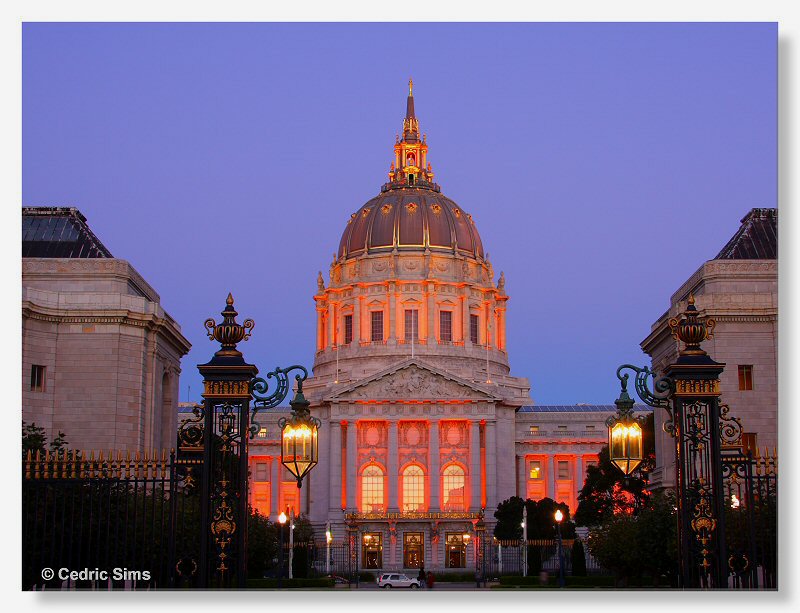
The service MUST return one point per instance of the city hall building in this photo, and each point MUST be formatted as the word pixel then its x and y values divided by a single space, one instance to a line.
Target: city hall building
pixel 424 428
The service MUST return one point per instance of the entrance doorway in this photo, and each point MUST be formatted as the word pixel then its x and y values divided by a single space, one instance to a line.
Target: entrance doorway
pixel 372 550
pixel 413 550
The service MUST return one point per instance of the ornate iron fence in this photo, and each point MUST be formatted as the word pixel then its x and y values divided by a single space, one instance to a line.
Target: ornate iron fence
pixel 107 521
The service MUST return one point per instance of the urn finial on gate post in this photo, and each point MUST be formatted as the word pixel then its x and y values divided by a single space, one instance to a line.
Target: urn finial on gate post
pixel 691 329
pixel 229 332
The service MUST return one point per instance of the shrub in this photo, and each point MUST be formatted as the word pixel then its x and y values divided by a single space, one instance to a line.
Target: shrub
pixel 578 559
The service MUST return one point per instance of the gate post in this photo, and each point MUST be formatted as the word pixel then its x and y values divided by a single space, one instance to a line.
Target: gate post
pixel 224 491
pixel 698 454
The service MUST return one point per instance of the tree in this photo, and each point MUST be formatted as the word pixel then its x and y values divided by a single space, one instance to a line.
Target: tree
pixel 541 522
pixel 578 559
pixel 607 490
pixel 34 438
pixel 633 545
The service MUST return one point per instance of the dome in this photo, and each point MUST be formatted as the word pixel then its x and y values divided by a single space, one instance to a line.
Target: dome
pixel 410 219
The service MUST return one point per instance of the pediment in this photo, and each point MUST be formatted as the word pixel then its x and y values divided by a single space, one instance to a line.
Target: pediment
pixel 413 380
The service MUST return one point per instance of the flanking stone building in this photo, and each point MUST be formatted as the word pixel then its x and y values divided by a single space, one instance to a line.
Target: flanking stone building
pixel 739 289
pixel 100 356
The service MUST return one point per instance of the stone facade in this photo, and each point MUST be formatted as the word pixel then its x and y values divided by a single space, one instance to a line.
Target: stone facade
pixel 424 428
pixel 741 294
pixel 100 356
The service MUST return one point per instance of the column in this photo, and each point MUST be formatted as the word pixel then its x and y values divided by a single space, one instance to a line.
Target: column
pixel 433 467
pixel 522 477
pixel 431 308
pixel 551 477
pixel 352 469
pixel 393 466
pixel 357 319
pixel 335 466
pixel 390 297
pixel 320 331
pixel 491 464
pixel 332 325
pixel 475 467
pixel 275 486
pixel 465 318
pixel 579 472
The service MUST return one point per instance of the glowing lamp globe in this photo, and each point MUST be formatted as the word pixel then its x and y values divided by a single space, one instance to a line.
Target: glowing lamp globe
pixel 625 445
pixel 299 439
pixel 559 516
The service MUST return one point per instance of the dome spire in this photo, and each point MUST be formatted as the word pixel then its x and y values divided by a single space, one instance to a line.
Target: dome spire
pixel 411 167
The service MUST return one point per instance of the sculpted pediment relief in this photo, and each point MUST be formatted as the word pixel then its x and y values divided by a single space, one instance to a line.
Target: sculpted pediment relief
pixel 413 382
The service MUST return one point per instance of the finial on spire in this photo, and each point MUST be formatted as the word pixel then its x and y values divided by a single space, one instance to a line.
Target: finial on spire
pixel 410 86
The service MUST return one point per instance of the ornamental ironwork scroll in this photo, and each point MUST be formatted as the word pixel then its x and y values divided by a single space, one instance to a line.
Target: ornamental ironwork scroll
pixel 266 398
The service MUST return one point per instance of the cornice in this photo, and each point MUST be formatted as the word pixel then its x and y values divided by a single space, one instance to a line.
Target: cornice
pixel 112 317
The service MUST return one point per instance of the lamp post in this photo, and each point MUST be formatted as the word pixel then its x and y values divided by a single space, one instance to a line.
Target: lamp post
pixel 328 540
pixel 559 516
pixel 465 537
pixel 689 393
pixel 291 542
pixel 281 522
pixel 524 540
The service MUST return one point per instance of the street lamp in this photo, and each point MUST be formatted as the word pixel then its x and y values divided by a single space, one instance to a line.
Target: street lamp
pixel 559 516
pixel 625 433
pixel 282 522
pixel 299 437
pixel 328 541
pixel 524 540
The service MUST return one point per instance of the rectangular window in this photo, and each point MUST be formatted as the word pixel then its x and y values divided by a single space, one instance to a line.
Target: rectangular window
pixel 746 377
pixel 562 428
pixel 535 470
pixel 261 472
pixel 411 325
pixel 37 378
pixel 473 329
pixel 446 326
pixel 262 433
pixel 563 469
pixel 534 429
pixel 590 428
pixel 376 330
pixel 261 498
pixel 290 498
pixel 348 329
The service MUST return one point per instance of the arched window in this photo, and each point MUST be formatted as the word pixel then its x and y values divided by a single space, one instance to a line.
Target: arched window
pixel 454 481
pixel 372 489
pixel 413 489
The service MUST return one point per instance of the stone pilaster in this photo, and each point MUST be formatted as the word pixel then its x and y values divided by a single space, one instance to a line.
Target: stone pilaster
pixel 352 469
pixel 335 466
pixel 475 467
pixel 551 477
pixel 433 467
pixel 491 464
pixel 393 467
pixel 275 486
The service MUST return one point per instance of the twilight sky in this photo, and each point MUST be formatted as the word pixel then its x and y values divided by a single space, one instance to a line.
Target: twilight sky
pixel 602 163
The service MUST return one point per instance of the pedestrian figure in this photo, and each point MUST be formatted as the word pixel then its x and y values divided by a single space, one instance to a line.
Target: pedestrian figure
pixel 477 578
pixel 421 576
pixel 430 580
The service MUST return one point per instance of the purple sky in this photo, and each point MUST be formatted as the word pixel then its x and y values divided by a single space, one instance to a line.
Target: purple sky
pixel 602 163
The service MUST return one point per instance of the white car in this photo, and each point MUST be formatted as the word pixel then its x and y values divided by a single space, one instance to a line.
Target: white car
pixel 390 580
